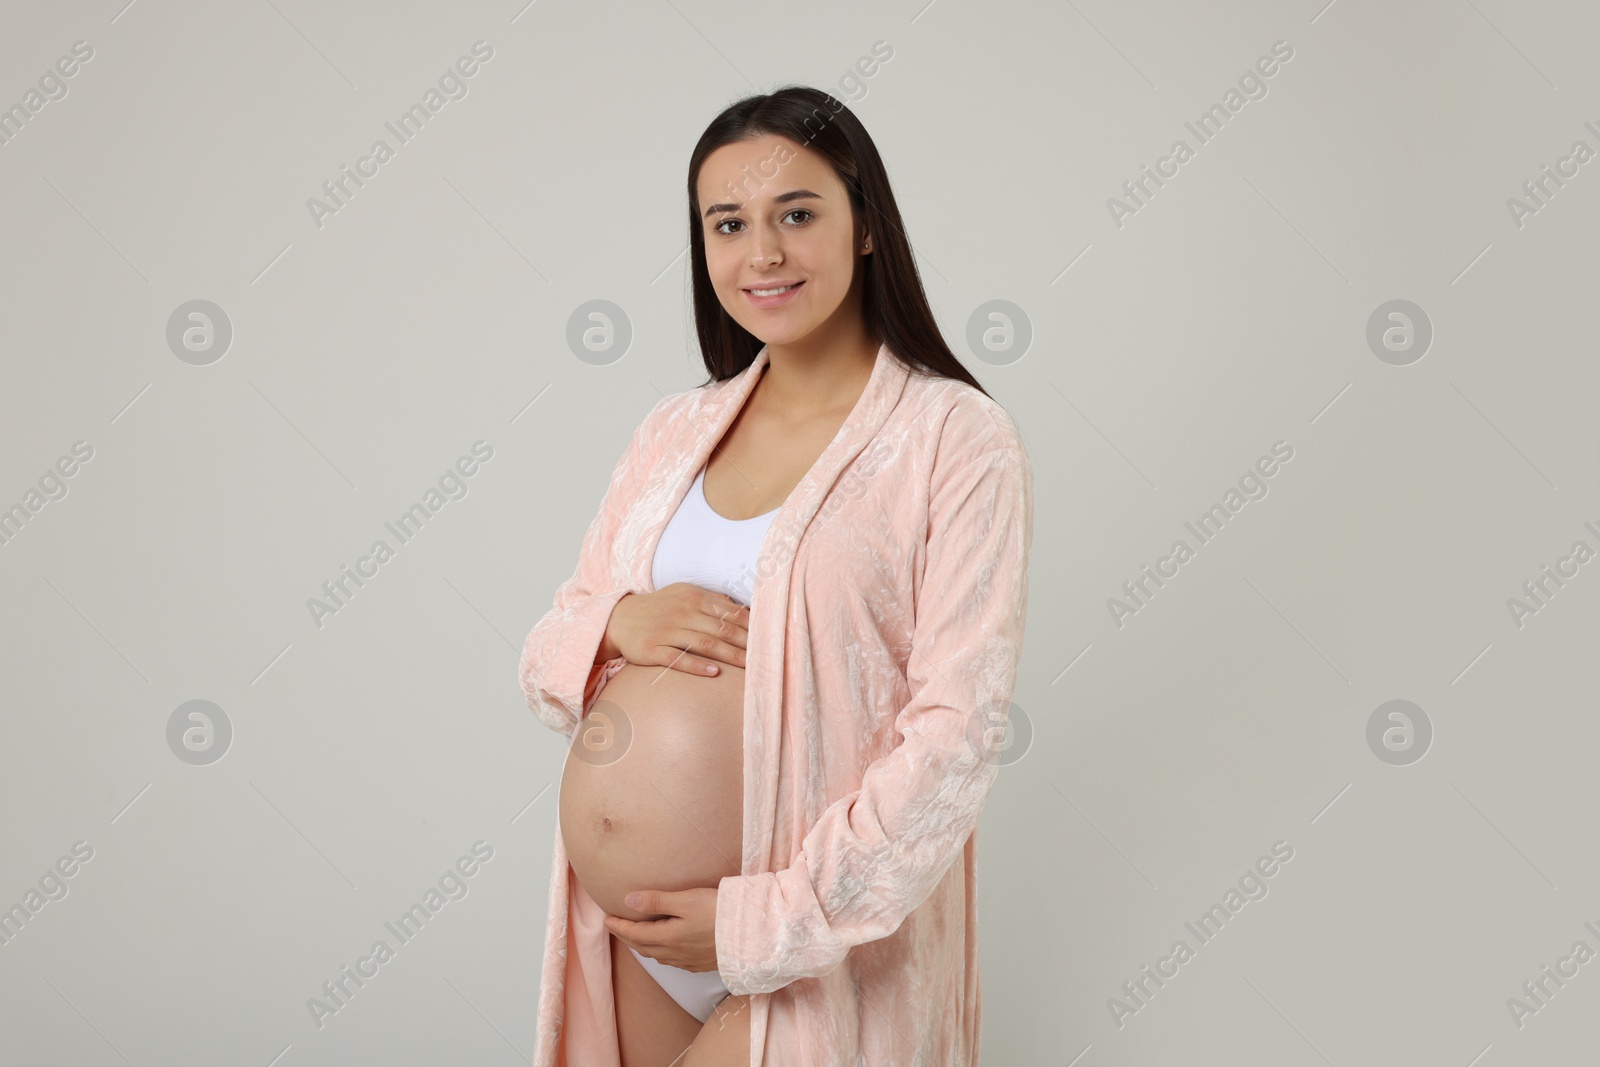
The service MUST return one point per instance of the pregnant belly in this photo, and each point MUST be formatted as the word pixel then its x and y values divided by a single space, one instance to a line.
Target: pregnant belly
pixel 652 794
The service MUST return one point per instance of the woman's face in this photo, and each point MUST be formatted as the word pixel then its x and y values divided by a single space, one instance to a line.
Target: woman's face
pixel 773 213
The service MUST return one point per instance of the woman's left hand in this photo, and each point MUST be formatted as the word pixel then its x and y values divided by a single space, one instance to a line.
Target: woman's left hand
pixel 686 938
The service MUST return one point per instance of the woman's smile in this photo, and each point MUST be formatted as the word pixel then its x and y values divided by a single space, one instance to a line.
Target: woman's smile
pixel 773 296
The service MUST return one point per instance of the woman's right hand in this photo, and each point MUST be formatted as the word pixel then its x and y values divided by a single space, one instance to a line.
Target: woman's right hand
pixel 682 626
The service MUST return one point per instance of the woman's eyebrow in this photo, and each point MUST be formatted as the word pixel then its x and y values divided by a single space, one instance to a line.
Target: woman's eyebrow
pixel 781 198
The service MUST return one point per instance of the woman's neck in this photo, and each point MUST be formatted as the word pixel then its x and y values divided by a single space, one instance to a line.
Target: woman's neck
pixel 808 379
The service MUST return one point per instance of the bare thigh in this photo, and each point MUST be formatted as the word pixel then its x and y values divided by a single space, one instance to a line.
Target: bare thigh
pixel 724 1041
pixel 652 1029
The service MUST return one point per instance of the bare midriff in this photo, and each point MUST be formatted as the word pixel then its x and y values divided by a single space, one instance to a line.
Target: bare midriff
pixel 652 794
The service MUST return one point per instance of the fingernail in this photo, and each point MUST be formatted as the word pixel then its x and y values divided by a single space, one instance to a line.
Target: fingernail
pixel 632 900
pixel 711 668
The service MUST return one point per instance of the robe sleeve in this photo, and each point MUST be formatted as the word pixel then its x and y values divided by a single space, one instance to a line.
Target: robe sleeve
pixel 557 670
pixel 876 853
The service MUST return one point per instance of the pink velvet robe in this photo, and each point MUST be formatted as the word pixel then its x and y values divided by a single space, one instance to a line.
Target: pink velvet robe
pixel 886 623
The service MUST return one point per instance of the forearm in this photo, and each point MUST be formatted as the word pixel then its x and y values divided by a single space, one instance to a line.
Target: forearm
pixel 556 680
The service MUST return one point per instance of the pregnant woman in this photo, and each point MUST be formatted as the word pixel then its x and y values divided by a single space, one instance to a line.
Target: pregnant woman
pixel 786 659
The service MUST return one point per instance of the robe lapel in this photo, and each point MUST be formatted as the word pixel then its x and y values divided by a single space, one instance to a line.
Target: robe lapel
pixel 764 656
pixel 695 432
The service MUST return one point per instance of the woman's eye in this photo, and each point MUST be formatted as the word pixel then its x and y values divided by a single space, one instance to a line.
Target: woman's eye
pixel 797 211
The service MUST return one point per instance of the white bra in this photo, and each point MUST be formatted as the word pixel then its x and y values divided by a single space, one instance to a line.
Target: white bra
pixel 702 548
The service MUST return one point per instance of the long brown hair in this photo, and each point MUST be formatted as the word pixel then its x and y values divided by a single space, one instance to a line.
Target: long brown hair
pixel 893 302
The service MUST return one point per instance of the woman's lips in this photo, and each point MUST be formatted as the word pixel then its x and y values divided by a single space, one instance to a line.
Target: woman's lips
pixel 777 300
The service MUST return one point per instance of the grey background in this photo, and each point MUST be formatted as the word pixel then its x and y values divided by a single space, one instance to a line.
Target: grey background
pixel 1167 355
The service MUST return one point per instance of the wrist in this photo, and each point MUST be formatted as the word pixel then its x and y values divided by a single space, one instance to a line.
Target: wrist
pixel 608 649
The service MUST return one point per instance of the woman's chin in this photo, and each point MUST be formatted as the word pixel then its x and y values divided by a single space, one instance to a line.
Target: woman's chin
pixel 775 327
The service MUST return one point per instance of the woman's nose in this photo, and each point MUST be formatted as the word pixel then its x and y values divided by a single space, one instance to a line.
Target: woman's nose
pixel 766 250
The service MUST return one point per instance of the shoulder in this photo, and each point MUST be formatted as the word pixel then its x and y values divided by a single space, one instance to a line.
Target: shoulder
pixel 675 412
pixel 960 421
